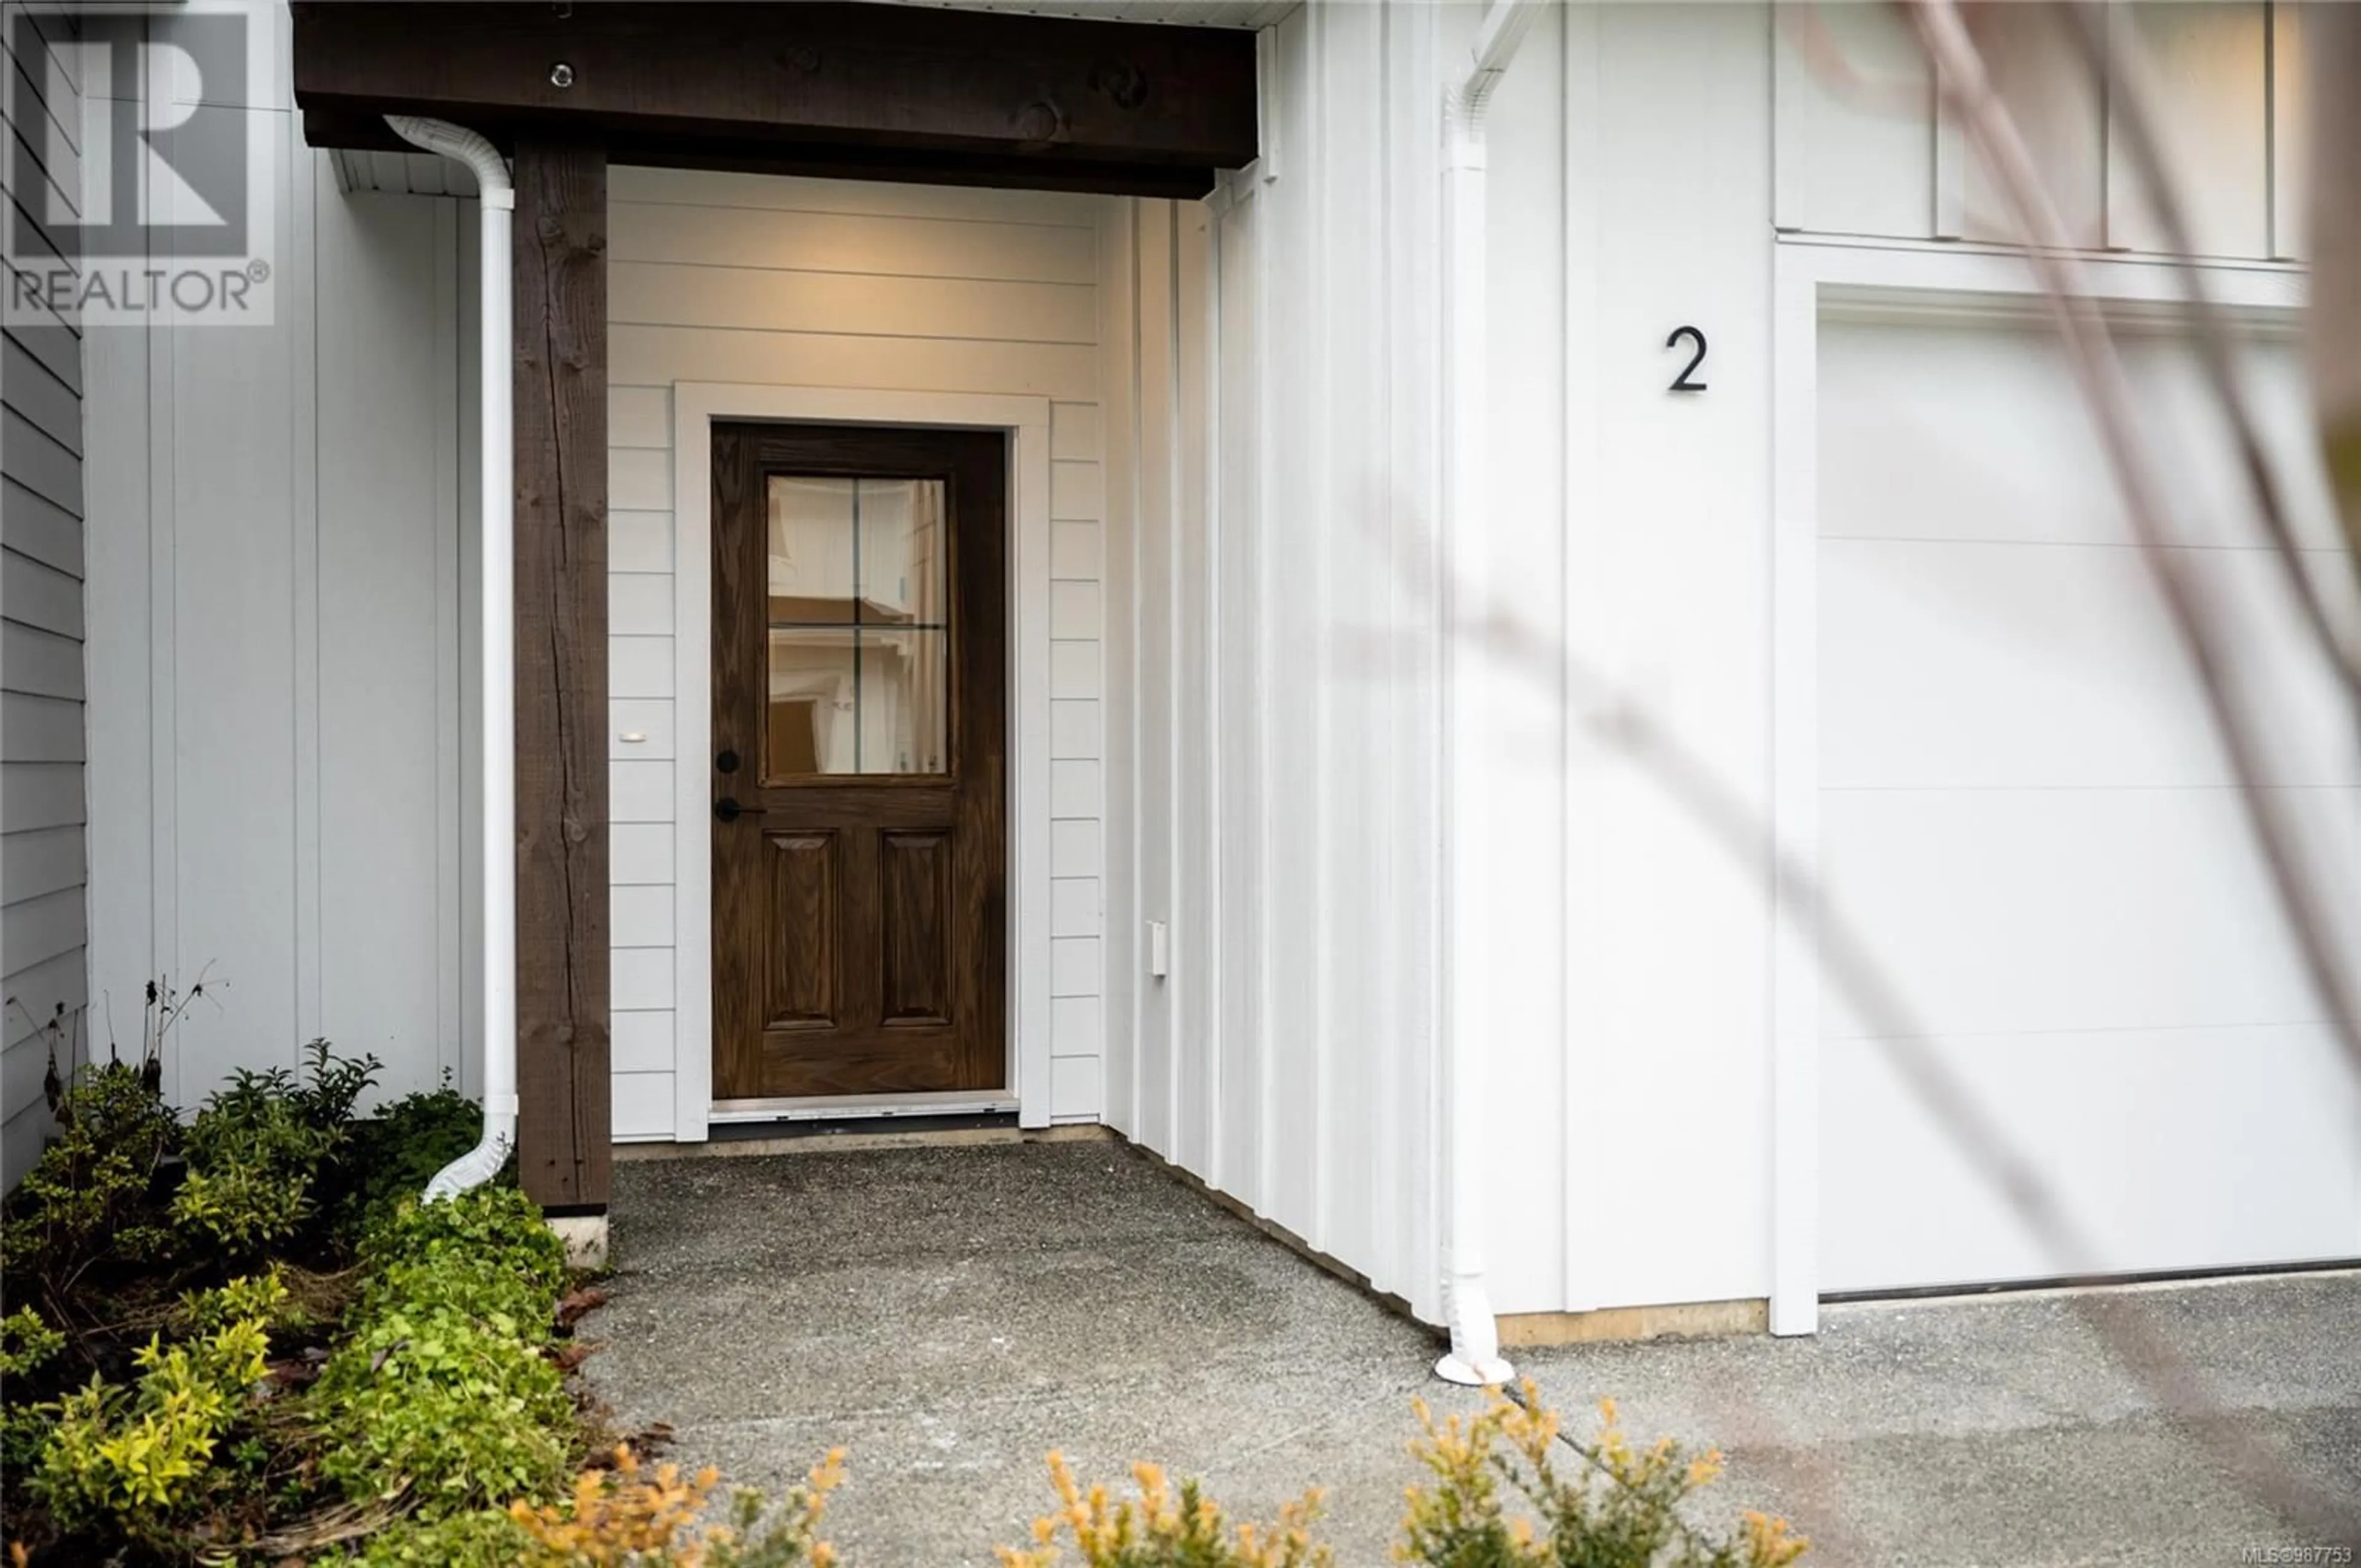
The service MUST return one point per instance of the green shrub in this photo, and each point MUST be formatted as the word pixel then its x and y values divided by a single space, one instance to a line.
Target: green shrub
pixel 489 1227
pixel 140 1458
pixel 444 1412
pixel 394 1154
pixel 486 1538
pixel 262 1297
pixel 501 1299
pixel 441 1394
pixel 88 1204
pixel 27 1344
pixel 257 1148
pixel 331 1086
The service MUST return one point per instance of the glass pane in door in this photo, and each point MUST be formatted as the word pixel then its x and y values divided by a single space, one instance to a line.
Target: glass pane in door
pixel 858 645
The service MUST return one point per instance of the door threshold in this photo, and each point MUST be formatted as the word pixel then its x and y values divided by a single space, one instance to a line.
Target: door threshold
pixel 855 1107
pixel 756 1138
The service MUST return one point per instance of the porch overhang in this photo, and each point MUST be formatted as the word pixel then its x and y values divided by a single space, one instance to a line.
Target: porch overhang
pixel 873 92
pixel 866 90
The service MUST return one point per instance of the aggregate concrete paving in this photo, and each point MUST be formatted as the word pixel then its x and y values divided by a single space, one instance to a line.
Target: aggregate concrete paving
pixel 949 1315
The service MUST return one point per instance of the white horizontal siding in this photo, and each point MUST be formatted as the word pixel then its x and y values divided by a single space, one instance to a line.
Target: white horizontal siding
pixel 659 355
pixel 44 905
pixel 642 1105
pixel 815 283
pixel 746 299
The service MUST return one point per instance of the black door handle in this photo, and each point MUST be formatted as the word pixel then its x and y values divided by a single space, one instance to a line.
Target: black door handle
pixel 730 810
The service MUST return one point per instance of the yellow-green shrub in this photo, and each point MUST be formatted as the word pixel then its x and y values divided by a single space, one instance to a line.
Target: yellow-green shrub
pixel 1507 1491
pixel 620 1518
pixel 87 1205
pixel 1165 1527
pixel 1610 1506
pixel 140 1457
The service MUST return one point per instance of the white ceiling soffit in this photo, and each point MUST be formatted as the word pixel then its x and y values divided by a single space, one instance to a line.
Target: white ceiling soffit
pixel 1175 13
pixel 424 174
pixel 400 173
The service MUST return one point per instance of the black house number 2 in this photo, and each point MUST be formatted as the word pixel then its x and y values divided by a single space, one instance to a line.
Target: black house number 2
pixel 1686 381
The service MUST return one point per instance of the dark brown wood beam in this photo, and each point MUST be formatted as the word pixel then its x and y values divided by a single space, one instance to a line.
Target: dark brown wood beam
pixel 564 1137
pixel 872 92
pixel 368 133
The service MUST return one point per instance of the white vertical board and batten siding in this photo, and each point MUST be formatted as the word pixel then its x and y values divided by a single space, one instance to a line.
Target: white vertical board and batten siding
pixel 44 906
pixel 1269 369
pixel 1292 1064
pixel 281 574
pixel 1667 1117
pixel 1878 162
pixel 1620 147
pixel 770 282
pixel 1670 597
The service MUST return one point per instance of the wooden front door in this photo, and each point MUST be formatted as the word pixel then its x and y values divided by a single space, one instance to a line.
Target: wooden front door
pixel 859 785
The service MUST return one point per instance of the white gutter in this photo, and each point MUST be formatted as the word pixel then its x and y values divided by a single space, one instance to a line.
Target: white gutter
pixel 497 528
pixel 1475 1354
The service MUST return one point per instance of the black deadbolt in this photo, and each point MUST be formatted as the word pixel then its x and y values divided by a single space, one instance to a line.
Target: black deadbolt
pixel 726 761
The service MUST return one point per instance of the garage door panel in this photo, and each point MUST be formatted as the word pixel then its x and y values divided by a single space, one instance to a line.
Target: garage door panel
pixel 1998 910
pixel 2023 809
pixel 2192 1148
pixel 1985 665
pixel 1976 433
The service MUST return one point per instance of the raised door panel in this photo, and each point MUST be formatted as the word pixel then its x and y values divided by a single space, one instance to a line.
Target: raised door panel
pixel 805 928
pixel 916 963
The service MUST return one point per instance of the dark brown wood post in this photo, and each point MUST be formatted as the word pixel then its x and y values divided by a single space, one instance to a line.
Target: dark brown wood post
pixel 563 1138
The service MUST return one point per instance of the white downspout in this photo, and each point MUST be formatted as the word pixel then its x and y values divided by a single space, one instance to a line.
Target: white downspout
pixel 497 528
pixel 1475 1354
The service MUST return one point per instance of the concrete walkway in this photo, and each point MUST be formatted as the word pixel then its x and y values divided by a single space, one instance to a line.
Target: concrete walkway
pixel 949 1315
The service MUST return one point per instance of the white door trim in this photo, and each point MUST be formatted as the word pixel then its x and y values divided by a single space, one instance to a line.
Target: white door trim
pixel 696 405
pixel 1815 279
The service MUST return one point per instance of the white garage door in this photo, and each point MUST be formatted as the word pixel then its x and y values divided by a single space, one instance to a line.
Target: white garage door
pixel 2021 804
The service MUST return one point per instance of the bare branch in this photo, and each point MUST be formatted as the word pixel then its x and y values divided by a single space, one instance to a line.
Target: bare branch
pixel 2135 116
pixel 2099 372
pixel 2332 38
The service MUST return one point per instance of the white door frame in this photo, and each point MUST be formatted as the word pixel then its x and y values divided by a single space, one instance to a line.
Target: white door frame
pixel 696 406
pixel 1933 283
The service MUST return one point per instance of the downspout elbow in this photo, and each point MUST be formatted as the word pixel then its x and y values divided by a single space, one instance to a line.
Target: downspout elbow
pixel 463 145
pixel 479 1164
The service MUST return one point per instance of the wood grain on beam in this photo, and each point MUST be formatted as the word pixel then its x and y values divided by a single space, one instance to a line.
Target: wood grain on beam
pixel 882 91
pixel 563 995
